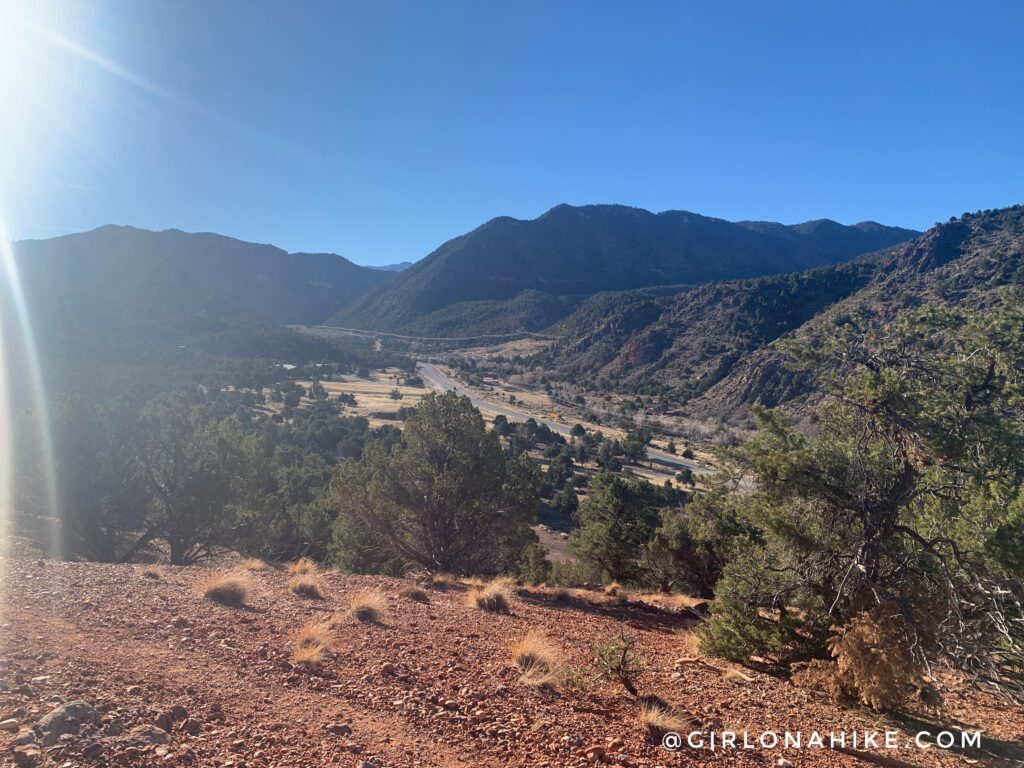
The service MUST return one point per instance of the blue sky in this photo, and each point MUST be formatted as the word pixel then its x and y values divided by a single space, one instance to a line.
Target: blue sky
pixel 380 129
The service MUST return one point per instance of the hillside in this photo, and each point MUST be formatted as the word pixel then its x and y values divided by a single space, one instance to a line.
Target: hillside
pixel 174 272
pixel 154 674
pixel 119 306
pixel 966 260
pixel 683 344
pixel 570 253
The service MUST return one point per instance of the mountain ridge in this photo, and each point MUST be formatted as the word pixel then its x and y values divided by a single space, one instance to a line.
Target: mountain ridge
pixel 570 252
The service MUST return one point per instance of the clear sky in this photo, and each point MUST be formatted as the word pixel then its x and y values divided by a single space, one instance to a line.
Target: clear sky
pixel 379 129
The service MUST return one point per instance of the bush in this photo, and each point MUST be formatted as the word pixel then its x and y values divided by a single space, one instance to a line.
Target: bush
pixel 541 662
pixel 495 596
pixel 737 628
pixel 657 718
pixel 616 660
pixel 302 566
pixel 310 643
pixel 874 660
pixel 573 573
pixel 305 585
pixel 230 589
pixel 534 566
pixel 416 594
pixel 369 606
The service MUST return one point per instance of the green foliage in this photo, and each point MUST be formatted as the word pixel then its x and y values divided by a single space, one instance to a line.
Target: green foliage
pixel 617 660
pixel 616 520
pixel 197 472
pixel 446 497
pixel 193 463
pixel 534 566
pixel 99 484
pixel 900 495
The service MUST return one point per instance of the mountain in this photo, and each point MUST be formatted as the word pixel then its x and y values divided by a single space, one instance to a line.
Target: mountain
pixel 710 351
pixel 136 306
pixel 684 343
pixel 399 267
pixel 177 272
pixel 967 260
pixel 570 253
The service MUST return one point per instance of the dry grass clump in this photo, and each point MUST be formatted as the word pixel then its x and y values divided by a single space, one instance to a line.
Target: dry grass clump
pixel 253 564
pixel 310 643
pixel 873 663
pixel 230 589
pixel 541 662
pixel 494 596
pixel 152 572
pixel 368 606
pixel 439 581
pixel 874 659
pixel 305 585
pixel 416 594
pixel 302 566
pixel 310 656
pixel 658 718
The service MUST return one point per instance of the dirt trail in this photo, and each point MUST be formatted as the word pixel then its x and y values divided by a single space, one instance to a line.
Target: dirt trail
pixel 431 686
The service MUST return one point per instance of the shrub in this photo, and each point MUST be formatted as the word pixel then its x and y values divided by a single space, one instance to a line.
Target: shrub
pixel 574 573
pixel 874 660
pixel 152 572
pixel 495 596
pixel 302 566
pixel 658 718
pixel 616 660
pixel 311 655
pixel 541 662
pixel 305 585
pixel 416 594
pixel 534 566
pixel 440 581
pixel 368 606
pixel 310 643
pixel 230 589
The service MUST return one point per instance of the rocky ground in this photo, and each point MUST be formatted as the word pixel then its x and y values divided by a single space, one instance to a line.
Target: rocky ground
pixel 100 665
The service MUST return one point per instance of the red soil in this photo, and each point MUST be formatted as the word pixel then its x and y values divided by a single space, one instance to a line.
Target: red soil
pixel 430 686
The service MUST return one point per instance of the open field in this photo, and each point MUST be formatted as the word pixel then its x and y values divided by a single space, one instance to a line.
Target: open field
pixel 176 679
pixel 372 395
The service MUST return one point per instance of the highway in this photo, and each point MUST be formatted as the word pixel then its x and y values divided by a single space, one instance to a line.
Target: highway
pixel 439 381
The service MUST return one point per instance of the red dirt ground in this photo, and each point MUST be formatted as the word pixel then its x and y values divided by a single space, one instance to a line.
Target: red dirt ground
pixel 148 652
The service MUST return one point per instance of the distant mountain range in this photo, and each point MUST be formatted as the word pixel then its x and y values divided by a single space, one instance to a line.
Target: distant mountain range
pixel 119 307
pixel 653 302
pixel 713 350
pixel 399 267
pixel 547 265
pixel 176 272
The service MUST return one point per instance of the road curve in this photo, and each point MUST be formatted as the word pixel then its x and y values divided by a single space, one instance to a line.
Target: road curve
pixel 437 380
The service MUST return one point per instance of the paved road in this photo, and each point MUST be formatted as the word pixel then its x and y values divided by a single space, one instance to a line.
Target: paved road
pixel 437 380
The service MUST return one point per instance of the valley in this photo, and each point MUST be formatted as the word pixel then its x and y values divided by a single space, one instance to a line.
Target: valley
pixel 511 385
